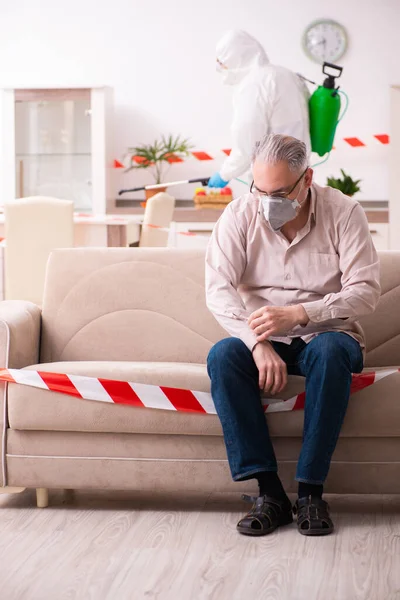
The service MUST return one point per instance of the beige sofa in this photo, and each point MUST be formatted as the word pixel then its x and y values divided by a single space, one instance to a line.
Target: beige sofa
pixel 140 315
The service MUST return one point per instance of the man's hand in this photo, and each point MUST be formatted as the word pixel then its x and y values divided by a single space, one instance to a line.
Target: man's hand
pixel 273 320
pixel 271 368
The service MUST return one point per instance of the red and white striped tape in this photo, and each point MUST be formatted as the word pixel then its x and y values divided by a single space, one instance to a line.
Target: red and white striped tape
pixel 152 396
pixel 202 155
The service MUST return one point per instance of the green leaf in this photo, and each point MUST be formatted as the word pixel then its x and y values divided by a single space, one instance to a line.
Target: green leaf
pixel 158 151
pixel 345 184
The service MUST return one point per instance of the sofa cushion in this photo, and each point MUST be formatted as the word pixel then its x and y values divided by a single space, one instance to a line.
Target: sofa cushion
pixel 374 411
pixel 32 408
pixel 142 304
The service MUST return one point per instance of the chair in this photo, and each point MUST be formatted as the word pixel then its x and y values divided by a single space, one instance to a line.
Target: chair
pixel 33 228
pixel 159 211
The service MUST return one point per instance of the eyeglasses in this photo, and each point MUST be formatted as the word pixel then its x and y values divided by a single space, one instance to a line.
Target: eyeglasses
pixel 260 193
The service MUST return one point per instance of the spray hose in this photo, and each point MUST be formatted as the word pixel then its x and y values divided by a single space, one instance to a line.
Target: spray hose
pixel 347 104
pixel 241 181
pixel 321 162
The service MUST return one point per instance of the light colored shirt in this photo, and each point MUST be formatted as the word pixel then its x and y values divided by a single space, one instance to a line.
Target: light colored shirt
pixel 331 267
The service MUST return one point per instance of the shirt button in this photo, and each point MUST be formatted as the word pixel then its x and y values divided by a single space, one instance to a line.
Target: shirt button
pixel 287 276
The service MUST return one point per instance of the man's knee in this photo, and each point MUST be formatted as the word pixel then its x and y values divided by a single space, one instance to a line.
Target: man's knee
pixel 330 348
pixel 226 350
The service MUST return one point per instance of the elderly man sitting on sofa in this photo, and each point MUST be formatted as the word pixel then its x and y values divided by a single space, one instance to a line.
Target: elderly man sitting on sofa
pixel 289 269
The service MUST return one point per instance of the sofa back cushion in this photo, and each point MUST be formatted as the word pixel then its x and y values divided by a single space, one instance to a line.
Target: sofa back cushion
pixel 128 304
pixel 382 328
pixel 149 305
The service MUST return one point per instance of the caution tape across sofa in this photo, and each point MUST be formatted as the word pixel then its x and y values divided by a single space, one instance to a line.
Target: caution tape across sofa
pixel 143 395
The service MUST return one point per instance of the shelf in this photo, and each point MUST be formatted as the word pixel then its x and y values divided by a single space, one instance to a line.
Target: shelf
pixel 54 154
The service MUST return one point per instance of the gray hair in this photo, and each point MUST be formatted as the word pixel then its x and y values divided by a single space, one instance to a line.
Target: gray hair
pixel 275 147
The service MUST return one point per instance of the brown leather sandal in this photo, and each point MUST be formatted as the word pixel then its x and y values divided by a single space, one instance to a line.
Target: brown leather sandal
pixel 266 515
pixel 313 516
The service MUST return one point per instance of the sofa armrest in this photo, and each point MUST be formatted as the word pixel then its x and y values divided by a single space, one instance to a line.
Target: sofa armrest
pixel 20 323
pixel 19 347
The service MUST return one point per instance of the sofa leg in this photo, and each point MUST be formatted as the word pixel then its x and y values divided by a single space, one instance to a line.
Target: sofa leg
pixel 42 497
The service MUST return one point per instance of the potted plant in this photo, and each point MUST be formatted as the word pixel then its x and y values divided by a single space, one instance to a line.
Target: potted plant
pixel 346 184
pixel 158 155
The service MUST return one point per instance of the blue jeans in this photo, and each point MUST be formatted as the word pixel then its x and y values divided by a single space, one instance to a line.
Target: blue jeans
pixel 327 362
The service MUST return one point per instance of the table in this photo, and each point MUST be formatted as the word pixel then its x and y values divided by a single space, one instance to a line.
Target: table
pixel 107 230
pixel 101 230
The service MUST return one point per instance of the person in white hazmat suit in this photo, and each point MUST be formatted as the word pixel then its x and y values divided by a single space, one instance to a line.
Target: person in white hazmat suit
pixel 267 99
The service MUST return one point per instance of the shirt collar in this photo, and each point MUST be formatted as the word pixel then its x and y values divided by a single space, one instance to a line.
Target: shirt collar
pixel 313 201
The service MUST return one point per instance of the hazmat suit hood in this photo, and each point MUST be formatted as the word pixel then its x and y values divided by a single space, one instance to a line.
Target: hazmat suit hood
pixel 238 53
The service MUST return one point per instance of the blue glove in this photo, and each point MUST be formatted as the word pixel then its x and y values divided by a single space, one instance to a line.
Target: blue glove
pixel 216 181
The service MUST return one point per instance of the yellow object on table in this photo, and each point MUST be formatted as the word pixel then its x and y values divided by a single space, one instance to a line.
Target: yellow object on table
pixel 214 199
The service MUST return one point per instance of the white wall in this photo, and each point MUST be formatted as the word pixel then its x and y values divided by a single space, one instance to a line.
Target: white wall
pixel 159 57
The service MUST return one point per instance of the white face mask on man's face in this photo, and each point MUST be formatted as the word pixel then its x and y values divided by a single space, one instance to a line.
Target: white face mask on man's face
pixel 279 211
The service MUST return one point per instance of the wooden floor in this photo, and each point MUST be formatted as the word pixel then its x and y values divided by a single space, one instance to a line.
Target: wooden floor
pixel 125 546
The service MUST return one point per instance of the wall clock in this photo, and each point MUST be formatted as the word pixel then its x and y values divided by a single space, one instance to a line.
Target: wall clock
pixel 325 40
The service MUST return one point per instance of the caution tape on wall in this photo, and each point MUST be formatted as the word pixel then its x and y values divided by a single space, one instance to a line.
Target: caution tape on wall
pixel 141 395
pixel 202 155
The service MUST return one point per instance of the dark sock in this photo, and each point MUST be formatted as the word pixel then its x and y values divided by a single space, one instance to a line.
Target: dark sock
pixel 270 485
pixel 310 489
